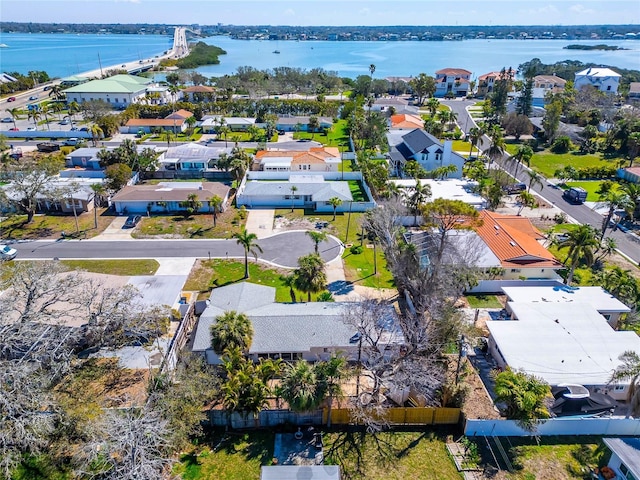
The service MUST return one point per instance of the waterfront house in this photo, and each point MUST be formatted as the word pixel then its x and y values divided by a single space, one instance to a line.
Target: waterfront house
pixel 118 90
pixel 316 159
pixel 549 83
pixel 167 197
pixel 424 148
pixel 603 79
pixel 455 81
pixel 486 83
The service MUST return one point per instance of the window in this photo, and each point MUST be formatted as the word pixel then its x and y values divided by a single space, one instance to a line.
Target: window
pixel 115 100
pixel 515 270
pixel 619 388
pixel 608 87
pixel 286 356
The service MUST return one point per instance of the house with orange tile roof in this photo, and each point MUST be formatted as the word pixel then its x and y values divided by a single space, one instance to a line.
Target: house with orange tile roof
pixel 147 125
pixel 403 121
pixel 316 159
pixel 487 81
pixel 182 113
pixel 515 241
pixel 455 81
pixel 198 93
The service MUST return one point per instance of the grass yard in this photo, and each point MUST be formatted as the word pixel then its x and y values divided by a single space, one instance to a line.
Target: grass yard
pixel 462 146
pixel 52 226
pixel 390 456
pixel 237 456
pixel 512 148
pixel 347 166
pixel 357 192
pixel 590 186
pixel 338 228
pixel 208 274
pixel 566 458
pixel 115 267
pixel 336 136
pixel 483 301
pixel 359 269
pixel 547 163
pixel 196 226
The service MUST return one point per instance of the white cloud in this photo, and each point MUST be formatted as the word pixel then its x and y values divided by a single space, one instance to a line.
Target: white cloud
pixel 580 9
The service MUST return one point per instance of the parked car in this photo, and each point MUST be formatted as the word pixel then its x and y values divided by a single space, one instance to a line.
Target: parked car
pixel 575 195
pixel 64 121
pixel 515 188
pixel 7 120
pixel 132 221
pixel 11 99
pixel 84 129
pixel 72 142
pixel 14 129
pixel 7 253
pixel 73 129
pixel 31 129
pixel 33 97
pixel 47 88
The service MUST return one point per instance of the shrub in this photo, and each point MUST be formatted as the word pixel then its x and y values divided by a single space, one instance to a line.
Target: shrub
pixel 561 144
pixel 560 218
pixel 356 249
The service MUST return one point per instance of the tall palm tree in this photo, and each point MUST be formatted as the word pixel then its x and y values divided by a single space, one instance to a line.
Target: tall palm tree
pixel 299 387
pixel 633 190
pixel 524 154
pixel 317 237
pixel 310 275
pixel 335 202
pixel 475 134
pixel 330 374
pixel 56 92
pixel 525 199
pixel 293 189
pixel 35 116
pixel 215 205
pixel 99 190
pixel 96 134
pixel 173 91
pixel 290 282
pixel 498 144
pixel 581 242
pixel 615 199
pixel 250 245
pixel 443 117
pixel 14 112
pixel 73 108
pixel 453 116
pixel 621 284
pixel 535 179
pixel 432 105
pixel 45 110
pixel 421 192
pixel 630 371
pixel 231 330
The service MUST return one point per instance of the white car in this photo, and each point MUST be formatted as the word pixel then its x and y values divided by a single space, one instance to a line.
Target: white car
pixel 7 253
pixel 31 129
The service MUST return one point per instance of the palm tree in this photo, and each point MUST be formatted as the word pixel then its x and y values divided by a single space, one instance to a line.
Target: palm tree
pixel 96 134
pixel 498 145
pixel 621 284
pixel 290 282
pixel 330 374
pixel 215 205
pixel 633 190
pixel 475 134
pixel 443 117
pixel 293 189
pixel 432 105
pixel 35 116
pixel 317 237
pixel 615 199
pixel 310 275
pixel 313 125
pixel 630 371
pixel 45 110
pixel 14 112
pixel 250 245
pixel 417 199
pixel 581 242
pixel 98 191
pixel 191 122
pixel 73 108
pixel 335 202
pixel 523 395
pixel 299 387
pixel 173 91
pixel 56 92
pixel 453 116
pixel 523 155
pixel 535 179
pixel 525 199
pixel 607 247
pixel 231 330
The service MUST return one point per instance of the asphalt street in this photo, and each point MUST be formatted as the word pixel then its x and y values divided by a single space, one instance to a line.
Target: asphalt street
pixel 627 243
pixel 282 249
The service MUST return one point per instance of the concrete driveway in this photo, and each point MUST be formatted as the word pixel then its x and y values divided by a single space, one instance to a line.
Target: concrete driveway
pixel 115 231
pixel 260 222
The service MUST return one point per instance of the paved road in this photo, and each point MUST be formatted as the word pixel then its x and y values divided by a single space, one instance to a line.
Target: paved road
pixel 283 249
pixel 627 243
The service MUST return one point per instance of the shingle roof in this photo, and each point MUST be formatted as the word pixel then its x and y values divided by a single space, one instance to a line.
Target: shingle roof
pixel 318 191
pixel 513 240
pixel 417 140
pixel 182 113
pixel 199 89
pixel 167 192
pixel 155 122
pixel 303 120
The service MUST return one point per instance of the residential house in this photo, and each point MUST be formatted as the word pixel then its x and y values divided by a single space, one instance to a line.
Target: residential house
pixel 211 123
pixel 625 457
pixel 301 123
pixel 198 93
pixel 455 81
pixel 450 189
pixel 602 301
pixel 486 83
pixel 393 105
pixel 84 158
pixel 603 79
pixel 192 156
pixel 180 114
pixel 316 159
pixel 291 331
pixel 118 90
pixel 167 197
pixel 562 343
pixel 630 174
pixel 634 90
pixel 299 191
pixel 515 241
pixel 149 125
pixel 424 148
pixel 297 472
pixel 404 121
pixel 543 84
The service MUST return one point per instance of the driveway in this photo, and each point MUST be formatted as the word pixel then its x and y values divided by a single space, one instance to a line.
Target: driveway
pixel 115 231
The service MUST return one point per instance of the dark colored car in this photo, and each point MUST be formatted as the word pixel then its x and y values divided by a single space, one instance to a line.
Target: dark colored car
pixel 33 97
pixel 132 221
pixel 11 99
pixel 13 129
pixel 515 188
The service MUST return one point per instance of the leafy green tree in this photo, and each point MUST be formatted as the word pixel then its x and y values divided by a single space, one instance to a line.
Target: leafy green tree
pixel 524 397
pixel 317 237
pixel 310 275
pixel 432 105
pixel 524 103
pixel 231 330
pixel 117 176
pixel 551 120
pixel 313 125
pixel 248 241
pixel 191 205
pixel 501 89
pixel 517 125
pixel 423 86
pixel 335 202
pixel 633 146
pixel 215 206
pixel 629 371
pixel 581 243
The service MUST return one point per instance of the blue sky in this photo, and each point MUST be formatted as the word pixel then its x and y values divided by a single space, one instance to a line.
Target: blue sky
pixel 320 12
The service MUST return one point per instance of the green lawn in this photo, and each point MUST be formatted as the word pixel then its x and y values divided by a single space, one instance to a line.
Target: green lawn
pixel 347 166
pixel 237 456
pixel 338 228
pixel 218 273
pixel 390 456
pixel 512 148
pixel 52 226
pixel 462 146
pixel 336 136
pixel 115 267
pixel 357 192
pixel 483 301
pixel 196 226
pixel 590 186
pixel 547 163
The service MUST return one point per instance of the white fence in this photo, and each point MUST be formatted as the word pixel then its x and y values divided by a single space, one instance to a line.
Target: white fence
pixel 495 286
pixel 554 426
pixel 346 176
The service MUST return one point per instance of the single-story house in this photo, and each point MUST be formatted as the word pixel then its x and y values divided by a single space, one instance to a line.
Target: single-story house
pixel 198 93
pixel 84 158
pixel 424 148
pixel 148 125
pixel 404 121
pixel 178 114
pixel 292 124
pixel 316 159
pixel 630 174
pixel 603 79
pixel 166 197
pixel 562 343
pixel 450 189
pixel 395 105
pixel 625 457
pixel 299 191
pixel 118 90
pixel 602 301
pixel 452 80
pixel 634 90
pixel 211 123
pixel 192 156
pixel 298 472
pixel 309 331
pixel 515 241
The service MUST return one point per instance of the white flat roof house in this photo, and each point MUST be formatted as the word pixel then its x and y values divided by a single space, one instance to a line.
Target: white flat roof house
pixel 450 189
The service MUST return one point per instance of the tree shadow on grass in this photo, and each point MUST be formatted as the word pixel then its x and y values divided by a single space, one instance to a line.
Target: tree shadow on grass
pixel 357 451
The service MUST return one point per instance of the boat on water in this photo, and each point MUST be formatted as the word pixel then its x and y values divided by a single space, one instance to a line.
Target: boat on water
pixel 4 45
pixel 276 51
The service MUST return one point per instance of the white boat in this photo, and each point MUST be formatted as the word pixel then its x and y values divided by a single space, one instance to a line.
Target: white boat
pixel 4 45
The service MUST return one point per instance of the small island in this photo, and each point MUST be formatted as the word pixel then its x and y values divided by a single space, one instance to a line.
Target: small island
pixel 601 46
pixel 199 54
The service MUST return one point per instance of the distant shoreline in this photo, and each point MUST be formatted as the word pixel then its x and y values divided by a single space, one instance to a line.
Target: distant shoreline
pixel 601 46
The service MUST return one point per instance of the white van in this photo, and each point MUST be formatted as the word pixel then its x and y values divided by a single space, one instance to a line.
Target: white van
pixel 72 142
